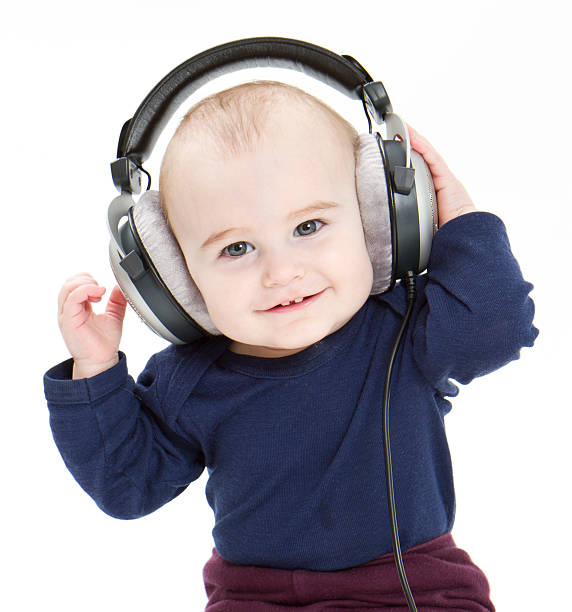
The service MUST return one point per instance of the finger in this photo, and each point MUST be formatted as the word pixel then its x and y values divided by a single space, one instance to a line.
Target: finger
pixel 78 300
pixel 81 275
pixel 436 163
pixel 72 283
pixel 423 146
pixel 116 304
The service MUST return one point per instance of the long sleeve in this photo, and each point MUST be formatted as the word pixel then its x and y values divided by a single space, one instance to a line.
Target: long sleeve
pixel 477 313
pixel 116 440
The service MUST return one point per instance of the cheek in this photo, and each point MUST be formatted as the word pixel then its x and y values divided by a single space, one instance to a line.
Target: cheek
pixel 224 290
pixel 225 294
pixel 347 253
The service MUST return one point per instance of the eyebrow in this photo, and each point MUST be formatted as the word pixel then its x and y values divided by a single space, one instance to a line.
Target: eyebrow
pixel 314 207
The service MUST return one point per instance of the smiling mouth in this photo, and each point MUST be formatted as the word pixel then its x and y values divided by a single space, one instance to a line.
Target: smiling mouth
pixel 296 304
pixel 296 301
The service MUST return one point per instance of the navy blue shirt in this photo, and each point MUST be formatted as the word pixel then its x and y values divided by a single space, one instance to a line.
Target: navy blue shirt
pixel 293 445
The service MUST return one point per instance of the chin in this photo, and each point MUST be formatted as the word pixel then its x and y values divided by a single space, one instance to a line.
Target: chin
pixel 298 344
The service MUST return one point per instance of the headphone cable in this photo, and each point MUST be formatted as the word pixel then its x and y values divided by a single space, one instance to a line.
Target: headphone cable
pixel 409 279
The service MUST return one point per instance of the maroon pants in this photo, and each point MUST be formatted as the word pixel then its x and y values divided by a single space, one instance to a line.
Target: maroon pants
pixel 440 575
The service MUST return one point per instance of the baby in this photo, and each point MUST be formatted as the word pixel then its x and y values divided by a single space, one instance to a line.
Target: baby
pixel 283 408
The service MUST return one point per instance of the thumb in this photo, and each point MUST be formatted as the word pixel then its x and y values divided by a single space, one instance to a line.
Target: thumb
pixel 116 304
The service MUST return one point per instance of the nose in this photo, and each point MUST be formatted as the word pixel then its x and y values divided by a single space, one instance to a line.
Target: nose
pixel 281 269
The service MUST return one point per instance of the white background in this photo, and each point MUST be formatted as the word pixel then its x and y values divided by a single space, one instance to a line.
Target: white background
pixel 487 83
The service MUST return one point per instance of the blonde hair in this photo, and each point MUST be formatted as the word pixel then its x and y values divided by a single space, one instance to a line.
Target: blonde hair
pixel 230 122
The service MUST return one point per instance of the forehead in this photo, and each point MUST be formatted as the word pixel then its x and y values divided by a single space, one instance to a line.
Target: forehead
pixel 294 163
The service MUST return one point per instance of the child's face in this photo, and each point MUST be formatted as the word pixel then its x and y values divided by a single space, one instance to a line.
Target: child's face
pixel 275 254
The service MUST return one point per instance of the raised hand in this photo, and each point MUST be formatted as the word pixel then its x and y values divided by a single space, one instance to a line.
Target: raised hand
pixel 92 339
pixel 452 197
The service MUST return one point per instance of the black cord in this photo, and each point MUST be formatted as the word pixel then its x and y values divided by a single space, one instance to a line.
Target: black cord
pixel 409 279
pixel 148 176
pixel 366 114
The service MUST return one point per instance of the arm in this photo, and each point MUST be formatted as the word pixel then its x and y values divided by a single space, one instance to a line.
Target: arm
pixel 116 440
pixel 113 433
pixel 477 314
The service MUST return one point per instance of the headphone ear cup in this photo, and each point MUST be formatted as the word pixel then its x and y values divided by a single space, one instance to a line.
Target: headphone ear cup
pixel 165 254
pixel 134 297
pixel 373 202
pixel 427 205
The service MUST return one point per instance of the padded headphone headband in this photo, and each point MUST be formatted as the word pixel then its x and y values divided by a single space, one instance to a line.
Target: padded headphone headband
pixel 140 133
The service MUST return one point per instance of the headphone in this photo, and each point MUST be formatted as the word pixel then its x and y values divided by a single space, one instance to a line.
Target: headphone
pixel 394 185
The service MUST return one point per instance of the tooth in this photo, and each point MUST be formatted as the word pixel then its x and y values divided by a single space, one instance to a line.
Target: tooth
pixel 298 300
pixel 285 304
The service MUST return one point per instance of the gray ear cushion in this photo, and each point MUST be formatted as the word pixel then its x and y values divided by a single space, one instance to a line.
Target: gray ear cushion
pixel 169 261
pixel 164 251
pixel 374 209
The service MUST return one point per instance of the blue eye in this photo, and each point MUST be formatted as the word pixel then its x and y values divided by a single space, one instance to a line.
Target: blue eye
pixel 309 227
pixel 236 249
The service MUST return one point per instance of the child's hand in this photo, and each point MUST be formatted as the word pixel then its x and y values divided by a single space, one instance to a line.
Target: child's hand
pixel 452 198
pixel 93 340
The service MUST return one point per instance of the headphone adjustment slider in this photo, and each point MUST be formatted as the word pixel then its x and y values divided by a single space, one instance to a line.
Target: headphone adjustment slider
pixel 126 175
pixel 403 179
pixel 133 265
